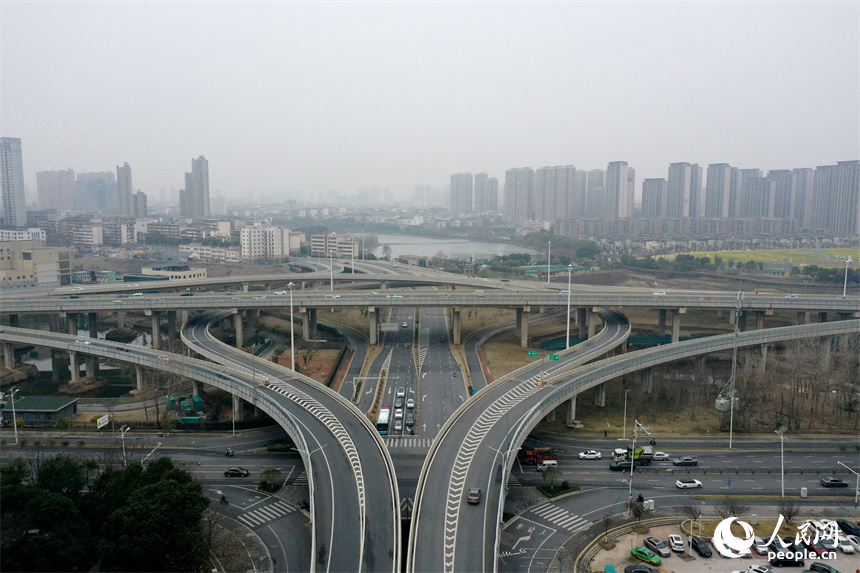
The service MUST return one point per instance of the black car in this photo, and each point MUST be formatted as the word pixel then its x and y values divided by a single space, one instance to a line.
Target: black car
pixel 820 567
pixel 700 546
pixel 620 466
pixel 685 461
pixel 187 294
pixel 833 482
pixel 639 568
pixel 848 527
pixel 236 471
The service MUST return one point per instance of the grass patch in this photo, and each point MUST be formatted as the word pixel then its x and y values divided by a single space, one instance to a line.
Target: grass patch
pixel 552 492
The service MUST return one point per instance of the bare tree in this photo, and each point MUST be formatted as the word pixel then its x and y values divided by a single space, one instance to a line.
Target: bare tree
pixel 731 507
pixel 307 355
pixel 789 510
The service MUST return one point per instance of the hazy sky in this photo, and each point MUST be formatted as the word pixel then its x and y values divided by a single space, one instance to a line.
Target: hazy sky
pixel 299 98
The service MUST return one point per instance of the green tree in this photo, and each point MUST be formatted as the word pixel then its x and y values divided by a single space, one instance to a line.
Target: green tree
pixel 270 479
pixel 157 529
pixel 14 472
pixel 63 475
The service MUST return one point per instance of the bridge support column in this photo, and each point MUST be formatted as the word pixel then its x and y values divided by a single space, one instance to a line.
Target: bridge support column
pixel 237 327
pixel 570 415
pixel 238 414
pixel 455 325
pixel 183 318
pixel 822 316
pixel 13 320
pixel 156 330
pixel 373 314
pixel 196 387
pixel 800 318
pixel 825 349
pixel 251 317
pixel 171 324
pixel 759 319
pixel 551 416
pixel 582 321
pixel 138 373
pixel 312 322
pixel 90 361
pixel 523 321
pixel 645 376
pixel 762 363
pixel 72 324
pixel 245 287
pixel 93 319
pixel 74 367
pixel 383 285
pixel 306 328
pixel 120 319
pixel 742 321
pixel 8 355
pixel 592 321
pixel 600 395
pixel 661 322
pixel 676 325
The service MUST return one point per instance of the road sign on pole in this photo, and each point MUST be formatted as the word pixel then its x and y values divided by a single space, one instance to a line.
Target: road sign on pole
pixel 532 354
pixel 553 356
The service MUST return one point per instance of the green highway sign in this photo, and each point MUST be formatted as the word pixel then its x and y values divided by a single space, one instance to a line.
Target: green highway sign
pixel 532 354
pixel 553 356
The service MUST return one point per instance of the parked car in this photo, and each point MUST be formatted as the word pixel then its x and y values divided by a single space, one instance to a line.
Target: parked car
pixel 848 527
pixel 657 546
pixel 854 540
pixel 236 471
pixel 759 546
pixel 791 296
pixel 700 546
pixel 660 457
pixel 758 569
pixel 474 496
pixel 187 294
pixel 646 555
pixel 688 483
pixel 639 568
pixel 845 546
pixel 685 461
pixel 815 546
pixel 676 543
pixel 833 482
pixel 819 567
pixel 589 455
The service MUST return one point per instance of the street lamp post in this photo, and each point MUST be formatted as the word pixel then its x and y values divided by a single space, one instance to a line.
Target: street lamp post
pixel 352 252
pixel 636 426
pixel 845 282
pixel 331 268
pixel 857 486
pixel 292 340
pixel 782 430
pixel 624 432
pixel 14 415
pixel 738 310
pixel 548 261
pixel 122 432
pixel 569 272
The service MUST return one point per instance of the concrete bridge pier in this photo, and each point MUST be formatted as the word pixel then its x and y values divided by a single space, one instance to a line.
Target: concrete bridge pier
pixel 138 373
pixel 455 325
pixel 245 287
pixel 647 380
pixel 156 330
pixel 742 321
pixel 523 325
pixel 676 323
pixel 802 318
pixel 762 363
pixel 93 320
pixel 661 322
pixel 71 323
pixel 373 314
pixel 238 413
pixel 183 318
pixel 383 285
pixel 600 395
pixel 312 321
pixel 120 319
pixel 74 366
pixel 822 316
pixel 759 319
pixel 196 387
pixel 13 320
pixel 582 321
pixel 91 362
pixel 171 324
pixel 592 321
pixel 237 327
pixel 8 355
pixel 551 416
pixel 570 415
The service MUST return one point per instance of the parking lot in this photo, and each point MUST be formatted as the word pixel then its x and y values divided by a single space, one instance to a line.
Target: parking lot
pixel 620 557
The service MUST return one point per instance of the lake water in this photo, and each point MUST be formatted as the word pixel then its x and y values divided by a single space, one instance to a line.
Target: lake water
pixel 455 248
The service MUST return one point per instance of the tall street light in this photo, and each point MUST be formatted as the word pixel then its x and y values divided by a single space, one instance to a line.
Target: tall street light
pixel 636 426
pixel 331 268
pixel 738 310
pixel 548 260
pixel 122 432
pixel 779 433
pixel 292 340
pixel 845 282
pixel 352 252
pixel 14 415
pixel 569 272
pixel 624 432
pixel 857 486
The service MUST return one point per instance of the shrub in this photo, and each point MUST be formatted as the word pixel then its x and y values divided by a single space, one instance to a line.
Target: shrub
pixel 65 442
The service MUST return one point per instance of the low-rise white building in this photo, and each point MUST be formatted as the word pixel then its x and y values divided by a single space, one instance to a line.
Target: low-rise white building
pixel 263 243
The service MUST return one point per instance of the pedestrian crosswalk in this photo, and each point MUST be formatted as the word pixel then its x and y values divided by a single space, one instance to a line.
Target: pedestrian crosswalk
pixel 513 481
pixel 265 514
pixel 561 517
pixel 407 442
pixel 302 479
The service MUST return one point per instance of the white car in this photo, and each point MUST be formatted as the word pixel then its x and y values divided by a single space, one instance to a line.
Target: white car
pixel 676 543
pixel 758 569
pixel 661 293
pixel 854 541
pixel 759 546
pixel 410 403
pixel 791 296
pixel 845 546
pixel 660 457
pixel 280 292
pixel 405 324
pixel 688 483
pixel 589 455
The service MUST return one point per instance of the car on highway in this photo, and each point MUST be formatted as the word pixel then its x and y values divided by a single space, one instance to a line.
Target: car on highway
pixel 82 342
pixel 400 392
pixel 398 401
pixel 700 546
pixel 187 294
pixel 77 288
pixel 118 300
pixel 159 300
pixel 833 482
pixel 259 298
pixel 646 555
pixel 676 543
pixel 661 293
pixel 589 455
pixel 474 496
pixel 398 413
pixel 394 296
pixel 443 338
pixel 398 425
pixel 657 546
pixel 620 465
pixel 280 292
pixel 236 471
pixel 848 527
pixel 640 568
pixel 660 457
pixel 410 403
pixel 688 483
pixel 405 324
pixel 685 461
pixel 479 292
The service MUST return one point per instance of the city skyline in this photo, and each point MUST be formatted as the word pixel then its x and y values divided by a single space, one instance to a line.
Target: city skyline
pixel 370 95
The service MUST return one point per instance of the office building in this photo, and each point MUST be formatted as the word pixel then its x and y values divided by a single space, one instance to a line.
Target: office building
pixel 56 190
pixel 194 199
pixel 718 190
pixel 13 209
pixel 328 244
pixel 654 193
pixel 96 192
pixel 461 193
pixel 125 202
pixel 32 264
pixel 139 204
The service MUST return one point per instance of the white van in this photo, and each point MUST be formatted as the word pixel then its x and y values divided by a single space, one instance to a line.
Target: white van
pixel 332 296
pixel 137 295
pixel 547 464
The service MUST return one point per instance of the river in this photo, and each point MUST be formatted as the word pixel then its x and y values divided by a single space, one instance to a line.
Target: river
pixel 455 248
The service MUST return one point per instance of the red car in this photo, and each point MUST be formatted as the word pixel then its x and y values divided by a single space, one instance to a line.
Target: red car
pixel 443 338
